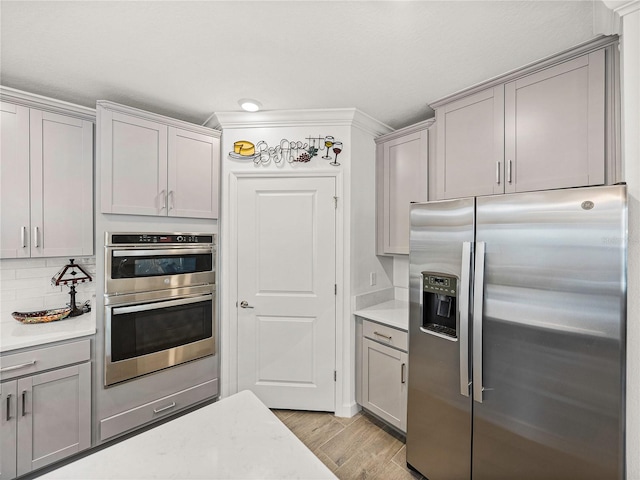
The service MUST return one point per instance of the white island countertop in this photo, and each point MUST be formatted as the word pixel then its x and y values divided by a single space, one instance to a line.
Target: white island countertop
pixel 235 438
pixel 394 313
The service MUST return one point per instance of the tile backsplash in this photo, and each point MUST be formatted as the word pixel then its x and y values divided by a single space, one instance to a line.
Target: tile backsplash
pixel 25 284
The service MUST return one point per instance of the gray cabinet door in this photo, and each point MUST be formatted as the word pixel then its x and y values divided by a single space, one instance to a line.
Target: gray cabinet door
pixel 8 413
pixel 61 185
pixel 54 419
pixel 193 174
pixel 14 181
pixel 402 179
pixel 133 158
pixel 555 126
pixel 470 145
pixel 384 387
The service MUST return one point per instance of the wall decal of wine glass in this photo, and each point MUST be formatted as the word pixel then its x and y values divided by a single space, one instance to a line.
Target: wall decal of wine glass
pixel 337 148
pixel 328 142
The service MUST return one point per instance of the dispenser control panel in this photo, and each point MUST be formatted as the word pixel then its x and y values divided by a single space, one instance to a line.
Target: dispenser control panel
pixel 439 283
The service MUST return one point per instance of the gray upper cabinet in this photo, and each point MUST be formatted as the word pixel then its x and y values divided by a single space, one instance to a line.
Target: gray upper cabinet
pixel 134 164
pixel 549 125
pixel 470 145
pixel 154 165
pixel 402 178
pixel 47 178
pixel 555 126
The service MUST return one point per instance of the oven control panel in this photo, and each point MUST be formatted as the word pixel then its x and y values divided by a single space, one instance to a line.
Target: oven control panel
pixel 158 238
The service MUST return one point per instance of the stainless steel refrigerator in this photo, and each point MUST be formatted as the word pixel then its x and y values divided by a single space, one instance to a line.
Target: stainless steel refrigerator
pixel 517 336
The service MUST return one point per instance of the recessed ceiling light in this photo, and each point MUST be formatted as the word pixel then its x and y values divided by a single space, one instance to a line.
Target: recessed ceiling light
pixel 249 104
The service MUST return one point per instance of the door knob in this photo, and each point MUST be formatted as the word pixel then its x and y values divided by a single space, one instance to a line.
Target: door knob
pixel 244 304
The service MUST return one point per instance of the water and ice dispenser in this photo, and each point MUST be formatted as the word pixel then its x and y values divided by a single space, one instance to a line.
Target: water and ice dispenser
pixel 439 304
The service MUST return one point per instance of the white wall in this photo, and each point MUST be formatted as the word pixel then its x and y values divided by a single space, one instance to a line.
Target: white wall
pixel 630 63
pixel 362 220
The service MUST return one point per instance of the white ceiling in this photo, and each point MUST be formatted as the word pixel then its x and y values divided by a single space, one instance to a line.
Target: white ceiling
pixel 188 59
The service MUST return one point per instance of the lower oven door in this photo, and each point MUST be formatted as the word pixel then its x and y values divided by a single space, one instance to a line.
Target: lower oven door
pixel 142 337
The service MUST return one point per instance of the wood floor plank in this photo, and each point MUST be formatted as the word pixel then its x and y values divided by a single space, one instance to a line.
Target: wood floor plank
pixel 346 443
pixel 304 422
pixel 316 438
pixel 348 421
pixel 371 457
pixel 360 447
pixel 282 414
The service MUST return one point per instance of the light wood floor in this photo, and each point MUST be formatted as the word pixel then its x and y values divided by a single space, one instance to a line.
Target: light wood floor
pixel 360 447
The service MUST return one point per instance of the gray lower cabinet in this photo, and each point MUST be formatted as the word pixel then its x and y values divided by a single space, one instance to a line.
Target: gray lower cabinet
pixel 46 416
pixel 383 373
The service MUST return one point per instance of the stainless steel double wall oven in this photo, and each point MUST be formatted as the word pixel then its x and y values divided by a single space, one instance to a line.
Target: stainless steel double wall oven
pixel 160 298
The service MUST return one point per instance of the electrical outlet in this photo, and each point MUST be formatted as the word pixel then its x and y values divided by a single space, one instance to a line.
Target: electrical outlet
pixel 372 279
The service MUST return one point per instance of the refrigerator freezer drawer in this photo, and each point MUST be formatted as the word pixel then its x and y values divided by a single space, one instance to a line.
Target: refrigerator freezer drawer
pixel 385 335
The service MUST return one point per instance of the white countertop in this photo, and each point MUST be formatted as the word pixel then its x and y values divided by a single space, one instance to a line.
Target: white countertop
pixel 394 313
pixel 15 335
pixel 235 438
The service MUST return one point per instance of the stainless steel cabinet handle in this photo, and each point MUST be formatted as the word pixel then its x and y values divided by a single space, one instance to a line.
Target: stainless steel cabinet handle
pixel 172 195
pixel 509 171
pixel 498 172
pixel 23 237
pixel 478 294
pixel 168 251
pixel 402 369
pixel 245 304
pixel 158 410
pixel 24 403
pixel 16 367
pixel 163 205
pixel 35 237
pixel 378 334
pixel 8 407
pixel 154 306
pixel 463 305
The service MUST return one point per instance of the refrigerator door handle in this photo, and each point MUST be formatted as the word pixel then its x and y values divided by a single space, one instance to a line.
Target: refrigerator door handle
pixel 478 297
pixel 463 290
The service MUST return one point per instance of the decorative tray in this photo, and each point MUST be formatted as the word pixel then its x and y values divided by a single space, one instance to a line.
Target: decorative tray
pixel 42 316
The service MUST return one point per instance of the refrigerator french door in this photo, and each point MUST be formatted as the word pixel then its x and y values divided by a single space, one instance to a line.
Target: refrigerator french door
pixel 517 336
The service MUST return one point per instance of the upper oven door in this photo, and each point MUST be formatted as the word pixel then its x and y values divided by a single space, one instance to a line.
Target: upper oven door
pixel 136 269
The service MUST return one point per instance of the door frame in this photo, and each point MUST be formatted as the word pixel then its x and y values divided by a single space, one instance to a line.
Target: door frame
pixel 228 289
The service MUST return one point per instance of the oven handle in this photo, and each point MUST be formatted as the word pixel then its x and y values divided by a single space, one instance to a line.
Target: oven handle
pixel 148 253
pixel 156 305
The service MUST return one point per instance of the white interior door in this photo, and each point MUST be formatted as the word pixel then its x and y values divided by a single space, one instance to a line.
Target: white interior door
pixel 287 276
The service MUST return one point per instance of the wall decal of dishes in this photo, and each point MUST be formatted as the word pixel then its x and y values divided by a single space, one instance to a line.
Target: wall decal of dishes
pixel 288 150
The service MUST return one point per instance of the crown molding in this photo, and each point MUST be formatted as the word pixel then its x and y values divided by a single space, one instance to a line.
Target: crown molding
pixel 597 43
pixel 33 100
pixel 349 117
pixel 154 117
pixel 416 127
pixel 622 8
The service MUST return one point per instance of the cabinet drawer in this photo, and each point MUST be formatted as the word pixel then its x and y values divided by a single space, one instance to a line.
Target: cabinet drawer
pixel 385 335
pixel 136 417
pixel 41 359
